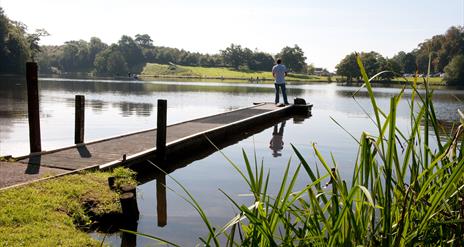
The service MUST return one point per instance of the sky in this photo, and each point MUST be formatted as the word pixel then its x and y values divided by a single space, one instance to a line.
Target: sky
pixel 326 30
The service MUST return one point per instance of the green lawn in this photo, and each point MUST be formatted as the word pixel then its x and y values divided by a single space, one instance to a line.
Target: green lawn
pixel 153 69
pixel 432 80
pixel 162 70
pixel 50 213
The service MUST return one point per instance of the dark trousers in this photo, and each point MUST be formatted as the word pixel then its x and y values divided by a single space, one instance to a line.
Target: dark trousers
pixel 284 93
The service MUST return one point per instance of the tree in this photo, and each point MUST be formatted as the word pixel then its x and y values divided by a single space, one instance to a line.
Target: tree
pixel 95 46
pixel 454 71
pixel 389 65
pixel 348 67
pixel 76 56
pixel 3 30
pixel 111 61
pixel 372 62
pixel 116 63
pixel 234 56
pixel 132 53
pixel 406 62
pixel 144 40
pixel 14 47
pixel 33 40
pixel 293 58
pixel 261 61
pixel 310 69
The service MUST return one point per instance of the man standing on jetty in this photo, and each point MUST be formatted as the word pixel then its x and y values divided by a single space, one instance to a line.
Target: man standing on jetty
pixel 279 71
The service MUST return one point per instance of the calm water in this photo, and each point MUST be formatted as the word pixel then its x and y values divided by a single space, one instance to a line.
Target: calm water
pixel 117 107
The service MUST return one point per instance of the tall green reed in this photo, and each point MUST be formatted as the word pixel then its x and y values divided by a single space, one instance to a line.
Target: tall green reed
pixel 402 192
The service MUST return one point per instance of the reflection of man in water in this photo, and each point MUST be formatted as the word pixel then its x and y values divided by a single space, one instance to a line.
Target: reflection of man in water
pixel 277 144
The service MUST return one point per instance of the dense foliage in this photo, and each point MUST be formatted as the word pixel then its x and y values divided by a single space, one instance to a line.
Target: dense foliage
pixel 373 61
pixel 14 47
pixel 454 71
pixel 294 58
pixel 441 49
pixel 130 55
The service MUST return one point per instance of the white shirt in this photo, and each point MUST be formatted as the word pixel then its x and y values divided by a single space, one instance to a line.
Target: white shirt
pixel 279 71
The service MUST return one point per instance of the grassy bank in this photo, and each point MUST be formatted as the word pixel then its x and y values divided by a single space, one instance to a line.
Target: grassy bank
pixel 161 70
pixel 55 212
pixel 436 81
pixel 153 70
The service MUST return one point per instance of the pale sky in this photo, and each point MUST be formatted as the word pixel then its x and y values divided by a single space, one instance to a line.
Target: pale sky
pixel 325 30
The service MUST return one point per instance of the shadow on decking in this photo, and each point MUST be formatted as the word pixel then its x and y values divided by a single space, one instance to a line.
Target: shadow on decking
pixel 83 151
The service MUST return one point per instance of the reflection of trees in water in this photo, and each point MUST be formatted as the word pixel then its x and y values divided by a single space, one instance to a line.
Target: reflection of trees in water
pixel 137 88
pixel 94 87
pixel 129 108
pixel 97 105
pixel 13 104
pixel 12 89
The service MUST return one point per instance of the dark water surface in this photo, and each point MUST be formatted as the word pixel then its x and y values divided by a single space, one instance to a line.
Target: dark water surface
pixel 118 107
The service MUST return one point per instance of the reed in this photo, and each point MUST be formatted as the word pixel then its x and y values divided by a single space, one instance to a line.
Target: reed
pixel 402 192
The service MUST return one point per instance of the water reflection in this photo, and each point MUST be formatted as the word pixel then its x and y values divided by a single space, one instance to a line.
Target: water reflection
pixel 129 108
pixel 118 107
pixel 146 88
pixel 277 144
pixel 161 201
pixel 149 174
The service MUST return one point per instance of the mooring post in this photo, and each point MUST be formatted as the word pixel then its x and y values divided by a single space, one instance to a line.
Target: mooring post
pixel 128 200
pixel 33 107
pixel 79 119
pixel 161 203
pixel 161 130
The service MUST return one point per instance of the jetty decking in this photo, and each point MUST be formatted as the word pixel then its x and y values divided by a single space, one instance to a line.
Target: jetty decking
pixel 141 145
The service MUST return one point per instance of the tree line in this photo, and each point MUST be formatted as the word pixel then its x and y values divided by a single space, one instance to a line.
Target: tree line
pixel 445 53
pixel 16 45
pixel 129 55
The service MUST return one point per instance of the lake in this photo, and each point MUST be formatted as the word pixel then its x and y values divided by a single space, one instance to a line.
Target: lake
pixel 119 107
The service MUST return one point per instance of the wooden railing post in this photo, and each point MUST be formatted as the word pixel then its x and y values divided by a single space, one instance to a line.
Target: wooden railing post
pixel 33 107
pixel 79 119
pixel 161 130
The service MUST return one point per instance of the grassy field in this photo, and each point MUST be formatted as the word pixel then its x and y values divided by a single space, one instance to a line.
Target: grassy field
pixel 161 70
pixel 51 213
pixel 432 80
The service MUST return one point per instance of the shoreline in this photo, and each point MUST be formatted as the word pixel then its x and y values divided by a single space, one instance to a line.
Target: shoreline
pixel 219 79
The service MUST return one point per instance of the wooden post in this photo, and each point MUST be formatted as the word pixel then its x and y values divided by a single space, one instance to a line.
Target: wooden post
pixel 79 119
pixel 161 130
pixel 129 207
pixel 111 182
pixel 128 200
pixel 33 107
pixel 161 203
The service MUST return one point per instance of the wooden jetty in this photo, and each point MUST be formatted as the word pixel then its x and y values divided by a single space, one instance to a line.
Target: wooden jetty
pixel 176 143
pixel 180 138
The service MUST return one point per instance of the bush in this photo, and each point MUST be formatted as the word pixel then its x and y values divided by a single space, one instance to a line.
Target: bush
pixel 454 71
